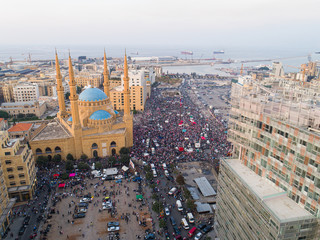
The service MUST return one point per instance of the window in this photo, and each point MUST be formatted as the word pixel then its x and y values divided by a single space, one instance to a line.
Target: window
pixel 9 169
pixel 21 175
pixel 22 182
pixel 8 162
pixel 11 176
pixel 20 168
pixel 7 153
pixel 12 183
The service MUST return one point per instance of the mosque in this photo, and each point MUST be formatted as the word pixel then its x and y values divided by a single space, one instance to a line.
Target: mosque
pixel 91 127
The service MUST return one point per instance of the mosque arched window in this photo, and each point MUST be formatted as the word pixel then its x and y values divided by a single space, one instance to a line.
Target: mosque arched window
pixel 57 149
pixel 94 146
pixel 113 144
pixel 38 151
pixel 48 150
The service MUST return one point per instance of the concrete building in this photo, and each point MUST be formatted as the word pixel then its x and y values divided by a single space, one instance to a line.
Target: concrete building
pixel 3 124
pixel 140 89
pixel 274 128
pixel 18 167
pixel 91 127
pixel 7 91
pixel 26 92
pixel 16 108
pixel 277 69
pixel 20 131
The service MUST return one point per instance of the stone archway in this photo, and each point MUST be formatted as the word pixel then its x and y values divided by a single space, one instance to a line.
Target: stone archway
pixel 95 153
pixel 49 158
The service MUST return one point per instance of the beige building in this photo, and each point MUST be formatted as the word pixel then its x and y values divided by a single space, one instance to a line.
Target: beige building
pixel 33 107
pixel 26 92
pixel 91 127
pixel 18 167
pixel 140 89
pixel 7 90
pixel 21 131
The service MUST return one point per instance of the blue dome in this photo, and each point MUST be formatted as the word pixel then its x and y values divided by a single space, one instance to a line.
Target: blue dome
pixel 100 115
pixel 116 112
pixel 70 119
pixel 92 94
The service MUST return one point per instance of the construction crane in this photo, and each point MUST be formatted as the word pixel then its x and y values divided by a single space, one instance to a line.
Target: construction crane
pixel 303 68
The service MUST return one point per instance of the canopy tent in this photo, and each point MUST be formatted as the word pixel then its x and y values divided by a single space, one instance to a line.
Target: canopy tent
pixel 56 175
pixel 184 130
pixel 124 168
pixel 62 185
pixel 203 138
pixel 181 149
pixel 139 197
pixel 72 175
pixel 194 123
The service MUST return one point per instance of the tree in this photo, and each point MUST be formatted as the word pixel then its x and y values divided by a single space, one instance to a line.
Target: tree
pixel 84 156
pixel 162 223
pixel 64 176
pixel 67 95
pixel 4 114
pixel 180 180
pixel 147 168
pixel 79 89
pixel 42 161
pixel 70 157
pixel 157 206
pixel 149 176
pixel 124 151
pixel 155 196
pixel 191 205
pixel 69 165
pixel 134 111
pixel 112 160
pixel 125 159
pixel 83 166
pixel 56 158
pixel 98 165
pixel 187 193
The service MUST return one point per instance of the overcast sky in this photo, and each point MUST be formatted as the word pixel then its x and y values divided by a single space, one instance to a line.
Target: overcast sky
pixel 287 23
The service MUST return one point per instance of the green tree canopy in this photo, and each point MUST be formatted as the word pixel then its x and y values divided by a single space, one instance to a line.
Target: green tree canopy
pixel 4 114
pixel 191 205
pixel 124 150
pixel 157 207
pixel 56 158
pixel 83 166
pixel 162 223
pixel 125 159
pixel 42 161
pixel 84 156
pixel 112 160
pixel 149 176
pixel 70 157
pixel 98 165
pixel 69 165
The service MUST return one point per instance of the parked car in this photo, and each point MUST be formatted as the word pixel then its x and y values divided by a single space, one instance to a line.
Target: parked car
pixel 198 236
pixel 207 229
pixel 85 200
pixel 79 215
pixel 113 229
pixel 167 211
pixel 83 204
pixel 110 224
pixel 201 226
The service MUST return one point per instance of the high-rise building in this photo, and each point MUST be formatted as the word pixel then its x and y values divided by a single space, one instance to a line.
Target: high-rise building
pixel 26 92
pixel 270 188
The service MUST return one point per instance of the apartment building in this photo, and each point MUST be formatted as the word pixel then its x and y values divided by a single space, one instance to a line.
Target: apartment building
pixel 26 92
pixel 140 89
pixel 270 189
pixel 16 108
pixel 18 166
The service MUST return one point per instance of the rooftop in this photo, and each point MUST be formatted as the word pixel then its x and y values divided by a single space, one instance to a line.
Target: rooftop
pixel 53 130
pixel 274 198
pixel 205 187
pixel 20 127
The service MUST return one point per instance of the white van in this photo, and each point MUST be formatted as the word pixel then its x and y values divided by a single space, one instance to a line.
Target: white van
pixel 184 223
pixel 179 205
pixel 152 166
pixel 153 151
pixel 154 173
pixel 172 191
pixel 164 166
pixel 190 217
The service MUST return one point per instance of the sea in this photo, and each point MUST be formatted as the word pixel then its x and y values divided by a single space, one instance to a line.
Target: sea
pixel 258 56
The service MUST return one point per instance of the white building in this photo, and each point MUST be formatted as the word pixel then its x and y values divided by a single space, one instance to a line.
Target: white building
pixel 26 92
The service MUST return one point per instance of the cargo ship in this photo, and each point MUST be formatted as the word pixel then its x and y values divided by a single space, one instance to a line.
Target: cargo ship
pixel 218 52
pixel 187 52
